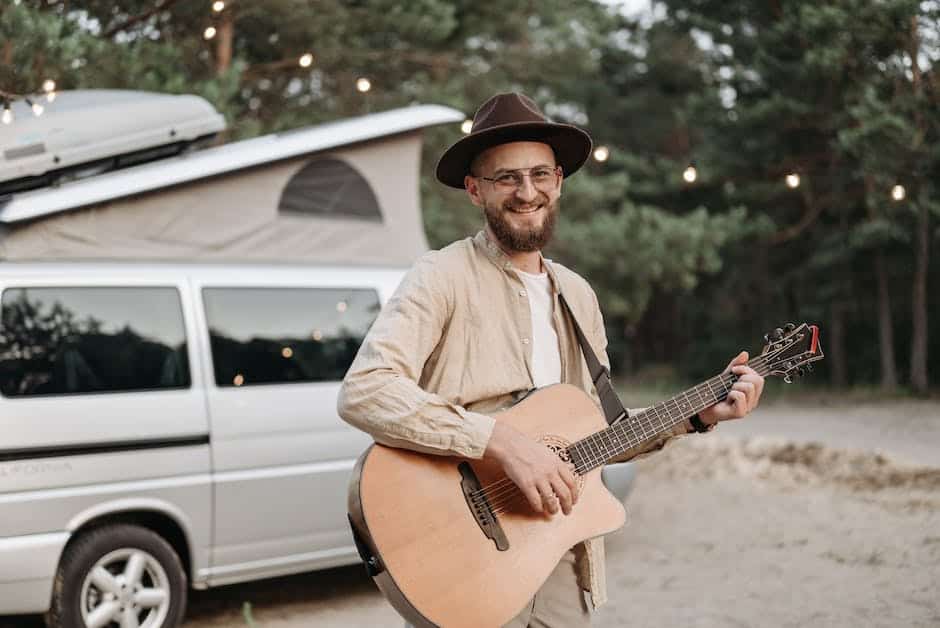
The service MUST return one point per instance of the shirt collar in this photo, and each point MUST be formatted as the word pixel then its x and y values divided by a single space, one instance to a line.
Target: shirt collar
pixel 498 257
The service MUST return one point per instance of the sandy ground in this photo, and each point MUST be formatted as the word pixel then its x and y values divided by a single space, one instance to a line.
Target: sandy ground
pixel 799 515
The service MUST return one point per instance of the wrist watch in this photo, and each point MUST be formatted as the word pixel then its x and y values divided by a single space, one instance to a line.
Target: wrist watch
pixel 700 426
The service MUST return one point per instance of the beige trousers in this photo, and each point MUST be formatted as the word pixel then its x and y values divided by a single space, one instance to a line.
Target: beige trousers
pixel 560 603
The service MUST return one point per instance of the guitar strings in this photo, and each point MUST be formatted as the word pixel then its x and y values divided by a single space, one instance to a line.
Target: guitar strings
pixel 503 492
pixel 505 483
pixel 507 491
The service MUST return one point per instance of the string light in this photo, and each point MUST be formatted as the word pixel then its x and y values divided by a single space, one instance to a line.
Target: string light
pixel 218 6
pixel 363 84
pixel 690 174
pixel 48 86
pixel 466 126
pixel 7 113
pixel 601 153
pixel 209 33
pixel 306 60
pixel 35 106
pixel 898 192
pixel 793 180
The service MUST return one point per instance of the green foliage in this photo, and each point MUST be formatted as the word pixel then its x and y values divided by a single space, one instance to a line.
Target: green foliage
pixel 845 93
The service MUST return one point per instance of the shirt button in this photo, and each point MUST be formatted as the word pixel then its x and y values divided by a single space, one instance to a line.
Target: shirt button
pixel 522 293
pixel 525 341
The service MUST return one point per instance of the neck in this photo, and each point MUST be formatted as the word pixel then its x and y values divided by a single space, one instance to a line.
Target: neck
pixel 637 431
pixel 527 261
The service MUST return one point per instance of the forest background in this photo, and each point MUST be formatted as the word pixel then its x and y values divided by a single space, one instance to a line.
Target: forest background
pixel 812 129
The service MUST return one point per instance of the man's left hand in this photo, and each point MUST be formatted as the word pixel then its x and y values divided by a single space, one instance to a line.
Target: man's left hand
pixel 743 396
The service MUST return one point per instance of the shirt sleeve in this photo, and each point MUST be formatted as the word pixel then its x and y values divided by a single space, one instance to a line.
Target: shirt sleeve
pixel 599 335
pixel 380 393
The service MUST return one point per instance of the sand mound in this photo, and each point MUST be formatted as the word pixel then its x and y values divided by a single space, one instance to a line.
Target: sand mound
pixel 789 463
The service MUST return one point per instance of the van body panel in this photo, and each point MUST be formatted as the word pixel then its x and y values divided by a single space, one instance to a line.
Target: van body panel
pixel 26 567
pixel 259 488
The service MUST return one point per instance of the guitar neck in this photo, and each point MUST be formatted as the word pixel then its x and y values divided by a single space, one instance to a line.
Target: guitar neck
pixel 639 431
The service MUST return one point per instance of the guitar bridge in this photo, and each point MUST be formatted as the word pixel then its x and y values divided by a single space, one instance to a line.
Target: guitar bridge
pixel 480 507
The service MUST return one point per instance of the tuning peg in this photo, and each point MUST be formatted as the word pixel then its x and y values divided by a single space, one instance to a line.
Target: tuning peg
pixel 809 367
pixel 778 334
pixel 767 338
pixel 788 378
pixel 789 327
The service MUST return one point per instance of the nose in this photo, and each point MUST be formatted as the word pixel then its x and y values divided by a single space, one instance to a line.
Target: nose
pixel 526 191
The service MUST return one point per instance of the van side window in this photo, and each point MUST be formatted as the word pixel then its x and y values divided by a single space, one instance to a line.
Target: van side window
pixel 285 335
pixel 91 339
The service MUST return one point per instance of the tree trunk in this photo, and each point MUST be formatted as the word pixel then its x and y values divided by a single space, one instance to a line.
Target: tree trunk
pixel 921 240
pixel 836 353
pixel 919 302
pixel 223 49
pixel 889 371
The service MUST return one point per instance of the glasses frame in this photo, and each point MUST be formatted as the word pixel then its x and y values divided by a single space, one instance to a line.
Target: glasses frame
pixel 521 174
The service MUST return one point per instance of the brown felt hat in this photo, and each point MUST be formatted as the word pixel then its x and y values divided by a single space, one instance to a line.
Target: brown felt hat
pixel 508 118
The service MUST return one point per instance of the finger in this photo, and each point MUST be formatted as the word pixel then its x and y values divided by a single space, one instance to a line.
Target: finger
pixel 572 482
pixel 532 494
pixel 749 391
pixel 563 492
pixel 738 402
pixel 741 358
pixel 549 500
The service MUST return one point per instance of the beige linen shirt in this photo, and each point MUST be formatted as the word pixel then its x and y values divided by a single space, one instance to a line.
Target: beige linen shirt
pixel 453 347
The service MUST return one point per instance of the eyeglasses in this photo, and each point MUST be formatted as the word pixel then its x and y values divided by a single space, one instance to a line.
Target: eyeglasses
pixel 543 178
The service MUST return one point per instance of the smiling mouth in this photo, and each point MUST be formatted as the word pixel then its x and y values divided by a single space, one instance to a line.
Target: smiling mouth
pixel 526 211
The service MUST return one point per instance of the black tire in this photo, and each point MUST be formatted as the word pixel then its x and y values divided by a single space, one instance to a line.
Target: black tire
pixel 83 552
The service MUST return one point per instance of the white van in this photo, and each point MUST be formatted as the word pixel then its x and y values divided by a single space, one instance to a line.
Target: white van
pixel 167 425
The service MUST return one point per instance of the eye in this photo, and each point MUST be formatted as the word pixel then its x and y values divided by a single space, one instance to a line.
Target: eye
pixel 506 179
pixel 543 174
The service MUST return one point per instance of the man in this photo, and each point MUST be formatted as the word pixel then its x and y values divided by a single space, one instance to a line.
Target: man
pixel 475 326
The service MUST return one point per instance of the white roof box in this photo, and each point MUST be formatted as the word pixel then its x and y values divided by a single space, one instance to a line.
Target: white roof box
pixel 88 131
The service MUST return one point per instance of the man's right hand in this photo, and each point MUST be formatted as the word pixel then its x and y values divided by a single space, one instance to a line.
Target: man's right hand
pixel 543 477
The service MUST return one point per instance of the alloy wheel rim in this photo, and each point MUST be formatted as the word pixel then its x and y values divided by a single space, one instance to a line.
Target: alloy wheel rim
pixel 127 588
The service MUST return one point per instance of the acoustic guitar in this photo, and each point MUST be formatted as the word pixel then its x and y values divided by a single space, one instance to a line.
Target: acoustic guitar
pixel 452 542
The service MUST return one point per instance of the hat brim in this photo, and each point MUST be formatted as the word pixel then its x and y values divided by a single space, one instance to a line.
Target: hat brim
pixel 571 145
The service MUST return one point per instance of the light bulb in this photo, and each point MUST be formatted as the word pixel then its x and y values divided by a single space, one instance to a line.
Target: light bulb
pixel 466 126
pixel 218 6
pixel 793 180
pixel 690 174
pixel 209 33
pixel 37 109
pixel 305 60
pixel 601 153
pixel 7 115
pixel 898 192
pixel 363 84
pixel 48 85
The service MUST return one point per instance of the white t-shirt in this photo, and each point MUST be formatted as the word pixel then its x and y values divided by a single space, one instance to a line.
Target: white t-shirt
pixel 546 358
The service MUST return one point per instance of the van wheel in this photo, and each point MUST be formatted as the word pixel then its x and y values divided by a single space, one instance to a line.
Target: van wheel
pixel 118 576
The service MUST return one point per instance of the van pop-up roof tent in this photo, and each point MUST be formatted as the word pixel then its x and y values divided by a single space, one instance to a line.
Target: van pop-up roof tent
pixel 343 192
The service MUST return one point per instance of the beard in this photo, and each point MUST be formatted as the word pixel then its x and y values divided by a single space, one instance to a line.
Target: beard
pixel 525 238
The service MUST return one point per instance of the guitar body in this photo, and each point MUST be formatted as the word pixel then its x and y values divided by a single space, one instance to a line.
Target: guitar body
pixel 429 553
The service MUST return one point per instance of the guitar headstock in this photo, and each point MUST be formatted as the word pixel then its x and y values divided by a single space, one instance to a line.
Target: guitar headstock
pixel 791 350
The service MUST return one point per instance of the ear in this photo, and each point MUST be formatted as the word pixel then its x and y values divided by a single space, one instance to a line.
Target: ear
pixel 472 186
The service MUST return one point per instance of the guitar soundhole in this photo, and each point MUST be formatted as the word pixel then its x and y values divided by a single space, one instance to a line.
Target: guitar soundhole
pixel 560 447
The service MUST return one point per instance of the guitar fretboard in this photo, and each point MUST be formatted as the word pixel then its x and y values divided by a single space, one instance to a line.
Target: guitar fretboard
pixel 640 430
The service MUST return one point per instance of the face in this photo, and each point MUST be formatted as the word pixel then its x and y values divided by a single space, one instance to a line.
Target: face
pixel 522 219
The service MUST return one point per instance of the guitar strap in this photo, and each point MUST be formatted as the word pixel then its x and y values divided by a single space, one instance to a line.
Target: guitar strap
pixel 600 375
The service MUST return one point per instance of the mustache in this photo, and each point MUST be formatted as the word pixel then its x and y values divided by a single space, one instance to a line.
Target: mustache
pixel 511 205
